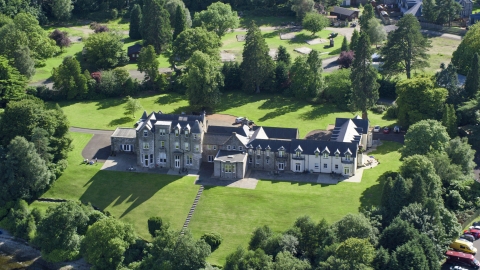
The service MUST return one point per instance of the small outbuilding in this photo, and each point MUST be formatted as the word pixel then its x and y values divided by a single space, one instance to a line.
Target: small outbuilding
pixel 134 51
pixel 344 13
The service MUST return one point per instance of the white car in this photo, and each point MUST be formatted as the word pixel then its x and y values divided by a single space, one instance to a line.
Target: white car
pixel 239 120
pixel 376 129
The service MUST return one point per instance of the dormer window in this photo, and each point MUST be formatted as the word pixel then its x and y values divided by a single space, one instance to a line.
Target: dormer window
pixel 250 151
pixel 337 155
pixel 194 136
pixel 325 154
pixel 145 133
pixel 299 153
pixel 176 132
pixel 186 133
pixel 347 157
pixel 281 153
pixel 267 152
pixel 317 154
pixel 259 149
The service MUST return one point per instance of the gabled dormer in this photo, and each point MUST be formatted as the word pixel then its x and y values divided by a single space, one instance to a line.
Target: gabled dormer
pixel 337 153
pixel 186 131
pixel 267 151
pixel 250 149
pixel 258 150
pixel 281 151
pixel 317 152
pixel 298 151
pixel 177 129
pixel 325 152
pixel 348 154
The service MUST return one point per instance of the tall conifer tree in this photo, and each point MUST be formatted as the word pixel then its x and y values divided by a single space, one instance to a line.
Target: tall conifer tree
pixel 472 82
pixel 180 22
pixel 156 28
pixel 135 21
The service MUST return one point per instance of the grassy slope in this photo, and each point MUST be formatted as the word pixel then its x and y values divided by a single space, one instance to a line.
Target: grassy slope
pixel 264 109
pixel 234 213
pixel 131 197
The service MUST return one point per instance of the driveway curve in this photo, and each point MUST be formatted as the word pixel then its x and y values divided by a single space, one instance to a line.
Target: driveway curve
pixel 99 146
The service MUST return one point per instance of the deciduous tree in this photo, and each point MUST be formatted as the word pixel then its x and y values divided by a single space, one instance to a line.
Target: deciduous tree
pixel 135 31
pixel 218 18
pixel 463 55
pixel 23 62
pixel 356 251
pixel 38 42
pixel 62 9
pixel 203 80
pixel 156 27
pixel 315 22
pixel 257 65
pixel 418 100
pixel 376 31
pixel 357 226
pixel 364 77
pixel 424 137
pixel 192 40
pixel 302 7
pixel 430 11
pixel 449 120
pixel 68 78
pixel 12 83
pixel 105 50
pixel 61 38
pixel 148 63
pixel 306 76
pixel 406 48
pixel 448 79
pixel 105 243
pixel 132 106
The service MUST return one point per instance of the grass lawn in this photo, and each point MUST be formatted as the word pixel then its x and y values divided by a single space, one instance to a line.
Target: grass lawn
pixel 264 109
pixel 131 197
pixel 231 45
pixel 235 213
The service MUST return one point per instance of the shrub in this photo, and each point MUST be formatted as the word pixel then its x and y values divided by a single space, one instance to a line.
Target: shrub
pixel 387 88
pixel 101 28
pixel 212 239
pixel 392 112
pixel 345 59
pixel 114 14
pixel 379 108
pixel 156 225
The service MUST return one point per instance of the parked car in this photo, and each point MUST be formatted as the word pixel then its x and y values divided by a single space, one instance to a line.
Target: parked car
pixel 239 120
pixel 468 237
pixel 458 267
pixel 376 129
pixel 353 24
pixel 463 246
pixel 476 223
pixel 333 35
pixel 463 259
pixel 461 238
pixel 475 232
pixel 386 130
pixel 396 129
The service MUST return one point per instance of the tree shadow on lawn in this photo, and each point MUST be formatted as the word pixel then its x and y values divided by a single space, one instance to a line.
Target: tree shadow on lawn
pixel 170 98
pixel 107 187
pixel 275 33
pixel 280 109
pixel 373 195
pixel 109 102
pixel 302 38
pixel 319 112
pixel 120 121
pixel 236 99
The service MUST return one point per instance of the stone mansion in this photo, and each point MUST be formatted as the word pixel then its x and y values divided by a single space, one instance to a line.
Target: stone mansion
pixel 185 141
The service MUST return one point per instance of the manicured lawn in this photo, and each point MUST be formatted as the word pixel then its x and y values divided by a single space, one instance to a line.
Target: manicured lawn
pixel 131 197
pixel 43 73
pixel 235 212
pixel 264 109
pixel 272 37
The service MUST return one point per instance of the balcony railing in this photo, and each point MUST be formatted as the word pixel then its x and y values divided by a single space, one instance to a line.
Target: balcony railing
pixel 347 161
pixel 300 157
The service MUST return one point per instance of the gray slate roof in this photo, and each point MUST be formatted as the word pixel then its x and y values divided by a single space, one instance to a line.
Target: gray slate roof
pixel 231 156
pixel 309 147
pixel 279 132
pixel 344 11
pixel 125 133
pixel 215 138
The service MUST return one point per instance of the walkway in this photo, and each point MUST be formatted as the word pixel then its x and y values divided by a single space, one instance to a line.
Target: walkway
pixel 192 209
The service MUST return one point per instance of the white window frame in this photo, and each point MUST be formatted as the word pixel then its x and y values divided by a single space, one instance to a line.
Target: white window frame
pixel 299 154
pixel 161 131
pixel 210 158
pixel 347 157
pixel 325 155
pixel 194 136
pixel 280 153
pixel 162 144
pixel 325 165
pixel 214 147
pixel 187 146
pixel 186 133
pixel 177 145
pixel 229 147
pixel 317 166
pixel 281 166
pixel 250 159
pixel 240 148
pixel 234 147
pixel 197 148
pixel 189 160
pixel 145 133
pixel 176 132
pixel 127 147
pixel 162 157
pixel 336 166
pixel 146 145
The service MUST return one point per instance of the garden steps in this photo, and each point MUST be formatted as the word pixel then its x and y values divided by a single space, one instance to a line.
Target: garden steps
pixel 192 209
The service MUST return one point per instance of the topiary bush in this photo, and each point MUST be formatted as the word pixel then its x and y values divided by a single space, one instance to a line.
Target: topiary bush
pixel 212 239
pixel 156 226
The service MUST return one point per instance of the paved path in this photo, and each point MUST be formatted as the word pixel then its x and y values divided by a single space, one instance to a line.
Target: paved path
pixel 91 131
pixel 99 146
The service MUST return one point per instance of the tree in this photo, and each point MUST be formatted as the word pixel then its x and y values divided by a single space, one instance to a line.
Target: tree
pixel 302 7
pixel 23 62
pixel 448 79
pixel 472 82
pixel 409 256
pixel 306 76
pixel 171 6
pixel 449 120
pixel 354 40
pixel 424 137
pixel 132 106
pixel 406 48
pixel 135 31
pixel 60 38
pixel 395 195
pixel 242 259
pixel 315 22
pixel 366 18
pixel 192 40
pixel 259 237
pixel 448 10
pixel 105 50
pixel 68 78
pixel 461 153
pixel 41 140
pixel 285 260
pixel 12 83
pixel 58 232
pixel 425 182
pixel 212 239
pixel 105 243
pixel 38 42
pixel 397 233
pixel 463 55
pixel 344 47
pixel 339 88
pixel 218 18
pixel 345 59
pixel 156 28
pixel 257 65
pixel 25 173
pixel 180 22
pixel 376 31
pixel 430 11
pixel 364 77
pixel 356 251
pixel 418 100
pixel 148 63
pixel 173 250
pixel 355 226
pixel 283 55
pixel 62 9
pixel 203 80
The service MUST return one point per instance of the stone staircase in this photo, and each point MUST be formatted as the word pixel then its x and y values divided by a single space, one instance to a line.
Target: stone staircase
pixel 192 209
